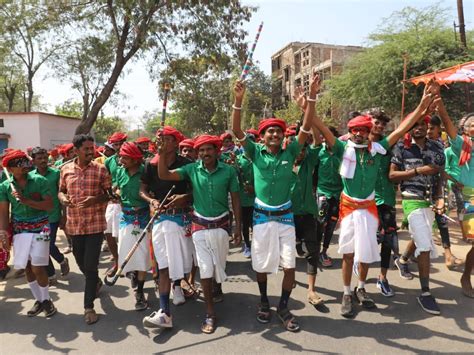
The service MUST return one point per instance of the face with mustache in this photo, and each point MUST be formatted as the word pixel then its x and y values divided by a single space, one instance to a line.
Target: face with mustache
pixel 378 126
pixel 359 135
pixel 86 152
pixel 273 136
pixel 208 154
pixel 419 130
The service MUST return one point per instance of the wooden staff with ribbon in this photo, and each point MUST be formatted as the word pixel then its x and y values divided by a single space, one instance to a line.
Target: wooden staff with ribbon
pixel 167 88
pixel 248 62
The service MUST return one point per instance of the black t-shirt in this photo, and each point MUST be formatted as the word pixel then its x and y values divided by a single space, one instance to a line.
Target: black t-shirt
pixel 159 188
pixel 414 157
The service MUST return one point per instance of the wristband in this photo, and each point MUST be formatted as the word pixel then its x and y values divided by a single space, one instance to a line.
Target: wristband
pixel 236 108
pixel 311 100
pixel 243 138
pixel 304 131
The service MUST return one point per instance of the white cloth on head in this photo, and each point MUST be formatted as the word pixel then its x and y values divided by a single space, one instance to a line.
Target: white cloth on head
pixel 212 247
pixel 172 249
pixel 349 162
pixel 112 216
pixel 359 234
pixel 140 260
pixel 30 247
pixel 273 245
pixel 420 226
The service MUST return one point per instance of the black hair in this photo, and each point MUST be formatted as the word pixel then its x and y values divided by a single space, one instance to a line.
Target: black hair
pixel 38 150
pixel 379 114
pixel 353 114
pixel 79 139
pixel 435 121
pixel 334 131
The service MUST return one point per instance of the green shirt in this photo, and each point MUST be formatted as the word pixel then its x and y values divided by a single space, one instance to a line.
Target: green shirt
pixel 36 188
pixel 52 175
pixel 385 193
pixel 273 174
pixel 466 176
pixel 58 162
pixel 362 185
pixel 130 187
pixel 210 189
pixel 329 179
pixel 245 178
pixel 112 164
pixel 452 163
pixel 302 197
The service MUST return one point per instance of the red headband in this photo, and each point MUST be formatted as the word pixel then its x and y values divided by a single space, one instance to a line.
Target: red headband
pixel 13 154
pixel 142 140
pixel 360 121
pixel 271 122
pixel 117 137
pixel 187 143
pixel 208 139
pixel 131 150
pixel 170 131
pixel 225 135
pixel 252 131
pixel 290 132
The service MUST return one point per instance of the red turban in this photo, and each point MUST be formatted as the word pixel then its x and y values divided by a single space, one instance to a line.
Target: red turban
pixel 290 132
pixel 117 137
pixel 131 150
pixel 142 140
pixel 13 154
pixel 170 131
pixel 225 136
pixel 270 122
pixel 101 149
pixel 54 152
pixel 67 147
pixel 360 121
pixel 187 143
pixel 252 131
pixel 208 139
pixel 7 150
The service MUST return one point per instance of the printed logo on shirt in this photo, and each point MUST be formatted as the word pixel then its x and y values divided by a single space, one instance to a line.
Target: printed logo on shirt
pixel 284 162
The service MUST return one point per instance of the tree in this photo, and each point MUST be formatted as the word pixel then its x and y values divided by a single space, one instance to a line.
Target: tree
pixel 130 29
pixel 373 78
pixel 105 126
pixel 70 108
pixel 12 83
pixel 27 29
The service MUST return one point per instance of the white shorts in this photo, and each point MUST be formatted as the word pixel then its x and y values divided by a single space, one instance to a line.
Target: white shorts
pixel 359 236
pixel 172 249
pixel 112 216
pixel 212 246
pixel 273 245
pixel 140 260
pixel 420 226
pixel 28 246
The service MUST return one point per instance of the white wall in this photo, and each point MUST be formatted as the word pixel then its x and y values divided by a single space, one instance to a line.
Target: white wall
pixel 56 130
pixel 23 129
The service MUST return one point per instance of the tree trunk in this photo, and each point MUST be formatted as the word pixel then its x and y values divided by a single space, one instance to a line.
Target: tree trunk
pixel 29 86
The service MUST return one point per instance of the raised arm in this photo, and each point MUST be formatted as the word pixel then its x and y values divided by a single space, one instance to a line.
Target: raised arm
pixel 447 122
pixel 429 94
pixel 310 111
pixel 239 91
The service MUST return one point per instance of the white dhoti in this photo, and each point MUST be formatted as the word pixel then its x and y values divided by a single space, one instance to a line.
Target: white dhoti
pixel 420 226
pixel 112 216
pixel 173 250
pixel 30 247
pixel 359 229
pixel 140 260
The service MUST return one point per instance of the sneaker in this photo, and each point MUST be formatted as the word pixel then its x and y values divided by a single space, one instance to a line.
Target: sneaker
pixel 48 308
pixel 67 249
pixel 428 303
pixel 403 269
pixel 247 253
pixel 158 320
pixel 178 296
pixel 140 302
pixel 362 297
pixel 355 268
pixel 104 248
pixel 299 249
pixel 52 281
pixel 385 288
pixel 325 260
pixel 347 308
pixel 64 267
pixel 35 310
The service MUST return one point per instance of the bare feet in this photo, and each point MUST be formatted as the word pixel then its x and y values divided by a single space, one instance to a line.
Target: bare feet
pixel 467 287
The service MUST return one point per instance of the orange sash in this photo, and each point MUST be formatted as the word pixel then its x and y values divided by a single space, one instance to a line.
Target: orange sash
pixel 349 205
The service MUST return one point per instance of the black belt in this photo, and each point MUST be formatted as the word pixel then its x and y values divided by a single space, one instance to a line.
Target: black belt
pixel 218 223
pixel 272 213
pixel 173 211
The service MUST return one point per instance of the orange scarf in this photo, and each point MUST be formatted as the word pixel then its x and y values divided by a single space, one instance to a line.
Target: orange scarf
pixel 349 205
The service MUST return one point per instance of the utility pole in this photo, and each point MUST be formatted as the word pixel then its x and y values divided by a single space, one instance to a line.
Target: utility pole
pixel 462 36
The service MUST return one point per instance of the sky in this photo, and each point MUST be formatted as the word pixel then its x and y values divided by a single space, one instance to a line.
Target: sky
pixel 343 22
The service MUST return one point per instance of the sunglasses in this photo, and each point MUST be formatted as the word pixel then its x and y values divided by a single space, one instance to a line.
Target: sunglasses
pixel 356 130
pixel 19 163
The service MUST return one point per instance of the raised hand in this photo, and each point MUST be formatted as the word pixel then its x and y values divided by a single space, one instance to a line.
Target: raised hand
pixel 315 84
pixel 300 98
pixel 239 91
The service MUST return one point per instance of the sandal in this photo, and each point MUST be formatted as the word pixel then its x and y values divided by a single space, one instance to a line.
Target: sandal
pixel 454 262
pixel 264 314
pixel 190 293
pixel 209 324
pixel 90 316
pixel 288 320
pixel 315 300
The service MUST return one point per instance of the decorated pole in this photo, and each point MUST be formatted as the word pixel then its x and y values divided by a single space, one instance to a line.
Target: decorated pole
pixel 165 103
pixel 248 62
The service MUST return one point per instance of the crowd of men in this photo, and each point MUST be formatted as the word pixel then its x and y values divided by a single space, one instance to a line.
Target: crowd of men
pixel 283 188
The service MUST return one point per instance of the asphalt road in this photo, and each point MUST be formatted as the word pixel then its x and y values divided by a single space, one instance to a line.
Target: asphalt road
pixel 397 324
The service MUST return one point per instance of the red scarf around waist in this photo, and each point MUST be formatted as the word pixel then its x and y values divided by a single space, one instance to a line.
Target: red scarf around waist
pixel 466 150
pixel 349 205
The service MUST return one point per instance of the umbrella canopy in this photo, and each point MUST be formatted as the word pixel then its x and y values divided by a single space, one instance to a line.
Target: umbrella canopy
pixel 463 73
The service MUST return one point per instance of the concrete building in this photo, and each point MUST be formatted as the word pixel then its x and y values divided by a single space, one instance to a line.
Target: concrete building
pixel 20 130
pixel 292 66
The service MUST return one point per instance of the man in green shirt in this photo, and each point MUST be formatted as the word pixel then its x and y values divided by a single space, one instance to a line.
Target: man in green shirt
pixel 211 181
pixel 359 169
pixel 40 161
pixel 134 217
pixel 274 241
pixel 27 199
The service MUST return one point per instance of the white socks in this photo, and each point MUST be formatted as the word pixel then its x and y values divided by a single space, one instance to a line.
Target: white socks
pixel 347 290
pixel 361 284
pixel 44 293
pixel 35 290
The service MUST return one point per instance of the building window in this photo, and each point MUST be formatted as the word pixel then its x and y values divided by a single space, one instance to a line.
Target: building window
pixel 297 63
pixel 298 82
pixel 276 64
pixel 286 74
pixel 2 124
pixel 306 83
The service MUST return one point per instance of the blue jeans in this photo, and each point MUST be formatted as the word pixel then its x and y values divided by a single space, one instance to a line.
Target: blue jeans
pixel 53 249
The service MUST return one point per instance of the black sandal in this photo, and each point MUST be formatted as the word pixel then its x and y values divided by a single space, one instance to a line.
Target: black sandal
pixel 264 313
pixel 288 320
pixel 209 324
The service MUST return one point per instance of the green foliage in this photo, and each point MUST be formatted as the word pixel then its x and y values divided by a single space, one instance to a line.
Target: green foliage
pixel 290 114
pixel 373 78
pixel 105 126
pixel 69 108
